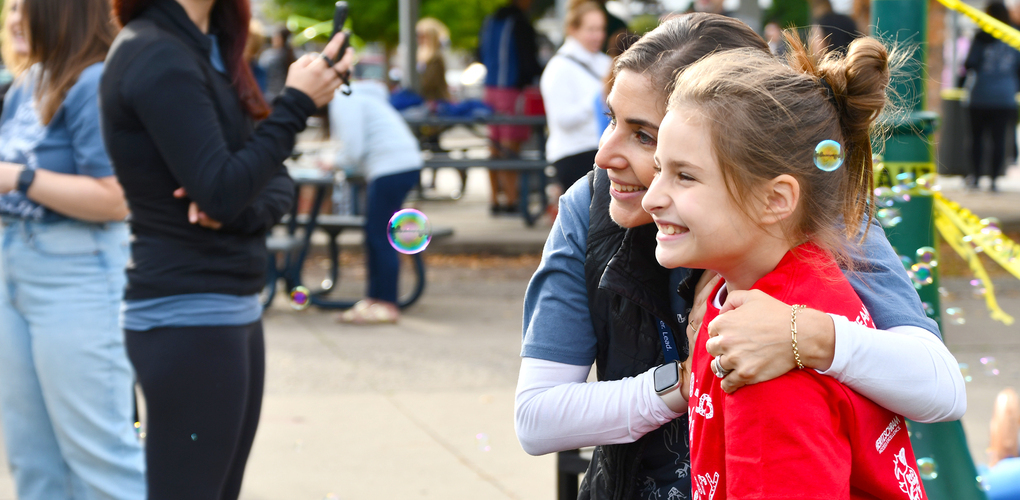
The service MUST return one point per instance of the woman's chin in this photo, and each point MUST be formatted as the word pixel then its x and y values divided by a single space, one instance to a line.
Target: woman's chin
pixel 626 216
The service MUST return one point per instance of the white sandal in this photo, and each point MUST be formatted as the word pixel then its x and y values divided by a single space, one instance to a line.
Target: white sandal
pixel 370 313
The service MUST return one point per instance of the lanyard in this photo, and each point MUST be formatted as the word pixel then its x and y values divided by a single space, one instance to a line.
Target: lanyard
pixel 669 348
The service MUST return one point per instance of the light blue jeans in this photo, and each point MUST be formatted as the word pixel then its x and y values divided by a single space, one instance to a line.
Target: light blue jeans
pixel 66 385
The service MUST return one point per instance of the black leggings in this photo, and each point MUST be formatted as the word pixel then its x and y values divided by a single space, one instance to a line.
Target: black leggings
pixel 203 391
pixel 996 123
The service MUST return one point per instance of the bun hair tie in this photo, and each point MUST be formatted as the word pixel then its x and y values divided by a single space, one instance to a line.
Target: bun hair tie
pixel 828 155
pixel 829 93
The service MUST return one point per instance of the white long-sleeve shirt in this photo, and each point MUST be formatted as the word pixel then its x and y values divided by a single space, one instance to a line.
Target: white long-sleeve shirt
pixel 568 93
pixel 373 137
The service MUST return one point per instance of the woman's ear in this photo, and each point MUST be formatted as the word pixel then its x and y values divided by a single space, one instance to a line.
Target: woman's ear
pixel 782 195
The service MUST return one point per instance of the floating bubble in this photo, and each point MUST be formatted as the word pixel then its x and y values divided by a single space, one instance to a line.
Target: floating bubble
pixel 922 274
pixel 982 484
pixel 990 366
pixel 906 261
pixel 194 437
pixel 483 441
pixel 828 155
pixel 928 181
pixel 965 371
pixel 905 178
pixel 888 217
pixel 977 288
pixel 410 231
pixel 928 468
pixel 327 283
pixel 926 255
pixel 943 292
pixel 990 225
pixel 955 316
pixel 928 308
pixel 300 298
pixel 884 197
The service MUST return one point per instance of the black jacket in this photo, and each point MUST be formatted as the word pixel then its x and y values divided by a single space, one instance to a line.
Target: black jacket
pixel 627 296
pixel 170 120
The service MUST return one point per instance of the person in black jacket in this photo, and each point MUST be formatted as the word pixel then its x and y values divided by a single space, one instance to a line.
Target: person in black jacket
pixel 203 185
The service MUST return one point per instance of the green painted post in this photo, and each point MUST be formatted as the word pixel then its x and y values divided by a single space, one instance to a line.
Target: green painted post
pixel 947 469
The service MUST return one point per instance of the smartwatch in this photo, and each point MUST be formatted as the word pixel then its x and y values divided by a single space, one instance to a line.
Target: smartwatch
pixel 25 179
pixel 667 386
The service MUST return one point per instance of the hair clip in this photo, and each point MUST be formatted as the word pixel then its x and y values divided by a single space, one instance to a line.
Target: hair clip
pixel 828 155
pixel 829 93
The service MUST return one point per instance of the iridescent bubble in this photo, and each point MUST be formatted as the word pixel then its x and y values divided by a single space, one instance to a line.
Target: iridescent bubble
pixel 965 371
pixel 955 316
pixel 990 225
pixel 943 292
pixel 906 261
pixel 990 366
pixel 905 178
pixel 922 274
pixel 928 181
pixel 194 437
pixel 928 468
pixel 977 288
pixel 300 298
pixel 483 441
pixel 828 155
pixel 410 231
pixel 982 484
pixel 327 283
pixel 888 217
pixel 884 197
pixel 928 308
pixel 926 255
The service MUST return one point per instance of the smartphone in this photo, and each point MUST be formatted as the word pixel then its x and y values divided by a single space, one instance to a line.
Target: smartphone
pixel 339 18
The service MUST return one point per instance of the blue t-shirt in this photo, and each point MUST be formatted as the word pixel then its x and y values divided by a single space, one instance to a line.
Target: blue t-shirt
pixel 1003 480
pixel 558 327
pixel 70 144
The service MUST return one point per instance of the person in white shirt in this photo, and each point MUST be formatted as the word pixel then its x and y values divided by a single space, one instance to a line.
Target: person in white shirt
pixel 377 142
pixel 569 83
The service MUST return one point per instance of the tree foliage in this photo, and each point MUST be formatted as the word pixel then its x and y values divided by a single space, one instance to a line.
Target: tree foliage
pixel 377 20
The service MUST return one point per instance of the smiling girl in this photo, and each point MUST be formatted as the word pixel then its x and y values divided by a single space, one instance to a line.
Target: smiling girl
pixel 742 189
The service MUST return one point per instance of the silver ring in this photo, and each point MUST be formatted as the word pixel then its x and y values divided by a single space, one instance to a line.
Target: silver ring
pixel 718 369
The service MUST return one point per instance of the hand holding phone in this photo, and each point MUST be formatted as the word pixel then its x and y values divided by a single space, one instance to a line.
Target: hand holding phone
pixel 339 18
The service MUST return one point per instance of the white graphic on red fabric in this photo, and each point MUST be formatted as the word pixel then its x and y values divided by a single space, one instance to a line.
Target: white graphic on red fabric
pixel 907 476
pixel 705 408
pixel 704 486
pixel 864 317
pixel 888 435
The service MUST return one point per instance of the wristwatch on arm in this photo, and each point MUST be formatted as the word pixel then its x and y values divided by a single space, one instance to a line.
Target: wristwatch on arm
pixel 25 179
pixel 668 381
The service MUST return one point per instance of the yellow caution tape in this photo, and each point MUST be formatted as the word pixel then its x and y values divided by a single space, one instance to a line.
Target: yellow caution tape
pixel 989 24
pixel 887 171
pixel 965 233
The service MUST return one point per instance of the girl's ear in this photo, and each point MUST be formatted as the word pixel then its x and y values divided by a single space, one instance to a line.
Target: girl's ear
pixel 782 195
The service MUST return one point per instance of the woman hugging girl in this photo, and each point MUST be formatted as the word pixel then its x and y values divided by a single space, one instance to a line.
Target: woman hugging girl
pixel 764 175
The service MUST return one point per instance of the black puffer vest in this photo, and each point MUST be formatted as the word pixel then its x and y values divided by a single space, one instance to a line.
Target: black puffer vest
pixel 627 296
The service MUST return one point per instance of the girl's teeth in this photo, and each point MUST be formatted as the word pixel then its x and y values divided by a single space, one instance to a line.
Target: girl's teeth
pixel 627 189
pixel 671 229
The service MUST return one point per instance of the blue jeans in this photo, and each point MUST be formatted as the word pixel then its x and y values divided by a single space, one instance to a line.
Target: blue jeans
pixel 66 386
pixel 385 197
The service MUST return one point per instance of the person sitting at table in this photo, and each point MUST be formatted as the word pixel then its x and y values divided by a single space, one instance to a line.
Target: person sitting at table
pixel 375 139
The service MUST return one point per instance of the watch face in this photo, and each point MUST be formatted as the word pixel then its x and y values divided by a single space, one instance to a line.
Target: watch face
pixel 666 376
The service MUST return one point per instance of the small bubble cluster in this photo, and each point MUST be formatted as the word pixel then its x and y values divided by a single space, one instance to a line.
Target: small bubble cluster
pixel 828 155
pixel 965 371
pixel 410 231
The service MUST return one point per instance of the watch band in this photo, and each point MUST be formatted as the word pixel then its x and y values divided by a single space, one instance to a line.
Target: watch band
pixel 25 179
pixel 672 395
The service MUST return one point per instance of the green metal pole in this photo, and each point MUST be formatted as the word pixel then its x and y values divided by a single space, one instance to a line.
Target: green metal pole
pixel 946 467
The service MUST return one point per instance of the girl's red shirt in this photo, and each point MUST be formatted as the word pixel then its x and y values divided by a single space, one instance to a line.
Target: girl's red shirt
pixel 803 435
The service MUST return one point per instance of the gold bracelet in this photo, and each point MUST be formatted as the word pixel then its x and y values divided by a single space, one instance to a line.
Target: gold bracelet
pixel 793 333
